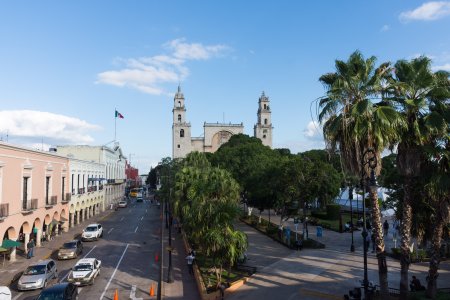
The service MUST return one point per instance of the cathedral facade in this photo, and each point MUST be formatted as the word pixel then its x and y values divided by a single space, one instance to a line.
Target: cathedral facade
pixel 214 134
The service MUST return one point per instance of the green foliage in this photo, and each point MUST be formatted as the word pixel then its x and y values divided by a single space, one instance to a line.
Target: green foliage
pixel 333 211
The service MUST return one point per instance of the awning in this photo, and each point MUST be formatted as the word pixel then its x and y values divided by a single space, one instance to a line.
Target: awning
pixel 53 223
pixel 3 249
pixel 10 244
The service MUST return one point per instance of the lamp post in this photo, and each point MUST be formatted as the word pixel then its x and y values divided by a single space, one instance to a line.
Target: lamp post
pixel 368 158
pixel 350 196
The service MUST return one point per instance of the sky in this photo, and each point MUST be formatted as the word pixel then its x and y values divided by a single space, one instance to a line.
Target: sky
pixel 66 66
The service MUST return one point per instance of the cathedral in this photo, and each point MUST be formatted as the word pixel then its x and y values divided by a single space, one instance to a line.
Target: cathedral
pixel 214 134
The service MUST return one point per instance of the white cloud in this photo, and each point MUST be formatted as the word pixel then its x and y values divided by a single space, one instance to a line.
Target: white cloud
pixel 147 74
pixel 385 28
pixel 427 12
pixel 444 67
pixel 313 131
pixel 29 127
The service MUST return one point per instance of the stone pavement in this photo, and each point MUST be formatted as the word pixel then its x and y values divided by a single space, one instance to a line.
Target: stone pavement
pixel 316 273
pixel 10 269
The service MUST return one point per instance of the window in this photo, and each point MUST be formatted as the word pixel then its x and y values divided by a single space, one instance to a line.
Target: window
pixel 264 136
pixel 182 133
pixel 265 131
pixel 78 183
pixel 265 121
pixel 63 182
pixel 47 188
pixel 25 192
pixel 178 146
pixel 265 106
pixel 73 179
pixel 179 103
pixel 179 118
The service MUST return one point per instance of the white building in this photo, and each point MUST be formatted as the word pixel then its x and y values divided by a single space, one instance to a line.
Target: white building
pixel 113 161
pixel 214 134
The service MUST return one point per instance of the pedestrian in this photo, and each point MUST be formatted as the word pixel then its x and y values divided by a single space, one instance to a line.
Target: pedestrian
pixel 386 227
pixel 299 244
pixel 222 288
pixel 190 261
pixel 30 247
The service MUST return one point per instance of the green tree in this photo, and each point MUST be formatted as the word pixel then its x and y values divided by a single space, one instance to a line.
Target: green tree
pixel 354 124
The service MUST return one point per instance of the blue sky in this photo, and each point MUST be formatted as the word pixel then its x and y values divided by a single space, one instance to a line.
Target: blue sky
pixel 65 66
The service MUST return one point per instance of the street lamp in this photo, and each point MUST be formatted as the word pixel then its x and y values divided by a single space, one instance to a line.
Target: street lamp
pixel 368 158
pixel 350 196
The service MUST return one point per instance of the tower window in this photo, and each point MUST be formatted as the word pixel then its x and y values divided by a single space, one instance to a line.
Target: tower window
pixel 179 103
pixel 179 118
pixel 178 146
pixel 182 133
pixel 264 136
pixel 265 106
pixel 265 121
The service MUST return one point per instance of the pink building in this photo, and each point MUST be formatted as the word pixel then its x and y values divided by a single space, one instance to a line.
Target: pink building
pixel 34 194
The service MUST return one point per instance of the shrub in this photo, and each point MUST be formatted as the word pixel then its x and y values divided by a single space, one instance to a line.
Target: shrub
pixel 333 211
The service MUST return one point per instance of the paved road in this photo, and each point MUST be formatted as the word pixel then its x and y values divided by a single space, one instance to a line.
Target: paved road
pixel 127 251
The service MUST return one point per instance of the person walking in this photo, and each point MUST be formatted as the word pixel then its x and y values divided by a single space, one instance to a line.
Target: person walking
pixel 30 247
pixel 386 227
pixel 190 261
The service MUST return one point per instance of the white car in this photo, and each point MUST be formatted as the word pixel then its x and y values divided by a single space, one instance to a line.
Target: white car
pixel 123 203
pixel 92 232
pixel 85 271
pixel 5 293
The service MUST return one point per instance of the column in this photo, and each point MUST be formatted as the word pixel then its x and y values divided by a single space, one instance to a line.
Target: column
pixel 13 254
pixel 38 237
pixel 72 220
pixel 25 242
pixel 56 229
pixel 65 226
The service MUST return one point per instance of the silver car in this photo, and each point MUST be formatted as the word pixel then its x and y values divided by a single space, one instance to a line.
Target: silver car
pixel 37 275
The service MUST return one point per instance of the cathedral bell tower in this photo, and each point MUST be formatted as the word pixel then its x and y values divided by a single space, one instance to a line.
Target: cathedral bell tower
pixel 181 130
pixel 263 128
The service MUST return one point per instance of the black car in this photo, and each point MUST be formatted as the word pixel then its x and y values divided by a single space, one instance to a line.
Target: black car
pixel 60 291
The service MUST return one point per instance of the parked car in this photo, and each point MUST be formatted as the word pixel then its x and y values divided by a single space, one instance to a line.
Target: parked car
pixel 5 293
pixel 92 232
pixel 70 250
pixel 37 275
pixel 123 203
pixel 85 271
pixel 60 291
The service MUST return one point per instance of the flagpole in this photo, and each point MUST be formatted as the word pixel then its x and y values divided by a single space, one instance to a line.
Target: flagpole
pixel 115 123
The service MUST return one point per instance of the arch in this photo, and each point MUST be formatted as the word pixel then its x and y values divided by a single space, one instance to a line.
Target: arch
pixel 179 118
pixel 265 121
pixel 10 233
pixel 56 216
pixel 72 208
pixel 181 132
pixel 264 136
pixel 47 219
pixel 265 106
pixel 63 214
pixel 25 228
pixel 219 138
pixel 37 223
pixel 179 103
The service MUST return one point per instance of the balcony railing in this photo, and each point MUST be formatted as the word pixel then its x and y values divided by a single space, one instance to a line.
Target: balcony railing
pixel 81 191
pixel 67 198
pixel 29 205
pixel 100 187
pixel 4 210
pixel 92 188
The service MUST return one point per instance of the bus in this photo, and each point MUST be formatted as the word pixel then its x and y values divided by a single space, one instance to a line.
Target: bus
pixel 137 193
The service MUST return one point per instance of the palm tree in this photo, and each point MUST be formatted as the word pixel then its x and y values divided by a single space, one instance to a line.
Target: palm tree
pixel 413 85
pixel 353 124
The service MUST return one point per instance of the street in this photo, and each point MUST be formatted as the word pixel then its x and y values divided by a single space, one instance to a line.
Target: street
pixel 127 252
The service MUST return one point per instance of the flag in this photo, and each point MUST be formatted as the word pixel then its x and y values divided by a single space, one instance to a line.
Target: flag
pixel 119 115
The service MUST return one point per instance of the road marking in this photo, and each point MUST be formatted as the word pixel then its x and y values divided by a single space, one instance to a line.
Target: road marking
pixel 133 293
pixel 110 230
pixel 142 218
pixel 114 273
pixel 65 276
pixel 121 219
pixel 136 229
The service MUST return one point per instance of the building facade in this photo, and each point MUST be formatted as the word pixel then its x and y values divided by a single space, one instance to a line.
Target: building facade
pixel 34 194
pixel 214 134
pixel 114 168
pixel 87 179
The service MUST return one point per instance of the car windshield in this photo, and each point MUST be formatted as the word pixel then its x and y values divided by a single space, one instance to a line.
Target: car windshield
pixel 70 245
pixel 51 295
pixel 35 270
pixel 83 267
pixel 91 228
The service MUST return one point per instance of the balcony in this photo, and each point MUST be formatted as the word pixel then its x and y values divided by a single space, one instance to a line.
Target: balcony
pixel 115 181
pixel 81 191
pixel 4 211
pixel 100 187
pixel 66 198
pixel 52 201
pixel 92 189
pixel 28 206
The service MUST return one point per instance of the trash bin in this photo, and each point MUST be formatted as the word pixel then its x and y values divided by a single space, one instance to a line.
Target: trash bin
pixel 319 231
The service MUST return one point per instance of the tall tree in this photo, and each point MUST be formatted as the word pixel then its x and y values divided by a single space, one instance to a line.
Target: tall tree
pixel 354 124
pixel 413 86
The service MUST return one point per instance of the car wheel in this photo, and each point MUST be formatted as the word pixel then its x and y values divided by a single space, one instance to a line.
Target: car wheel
pixel 44 285
pixel 92 281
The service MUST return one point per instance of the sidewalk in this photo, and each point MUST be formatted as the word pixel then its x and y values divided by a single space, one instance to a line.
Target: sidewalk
pixel 12 269
pixel 184 285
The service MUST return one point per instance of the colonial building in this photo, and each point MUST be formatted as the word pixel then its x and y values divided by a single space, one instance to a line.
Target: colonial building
pixel 34 194
pixel 114 168
pixel 214 134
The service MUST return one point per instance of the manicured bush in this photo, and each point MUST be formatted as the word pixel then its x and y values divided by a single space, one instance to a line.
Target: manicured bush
pixel 333 211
